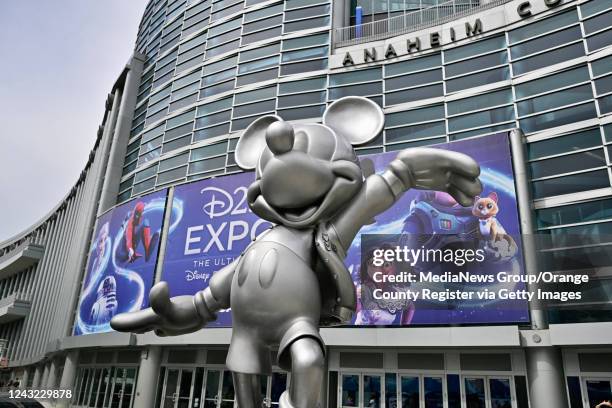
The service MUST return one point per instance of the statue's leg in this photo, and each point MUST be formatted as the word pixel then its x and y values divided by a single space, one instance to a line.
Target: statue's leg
pixel 307 373
pixel 247 389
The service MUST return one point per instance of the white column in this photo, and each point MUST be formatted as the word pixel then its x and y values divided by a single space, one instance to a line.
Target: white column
pixel 68 375
pixel 24 379
pixel 545 377
pixel 148 373
pixel 52 379
pixel 45 376
pixel 37 375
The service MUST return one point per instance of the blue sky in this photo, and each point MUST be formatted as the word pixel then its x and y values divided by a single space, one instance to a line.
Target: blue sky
pixel 60 59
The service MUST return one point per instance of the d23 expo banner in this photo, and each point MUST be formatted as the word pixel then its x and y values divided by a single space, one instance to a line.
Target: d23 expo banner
pixel 211 224
pixel 122 260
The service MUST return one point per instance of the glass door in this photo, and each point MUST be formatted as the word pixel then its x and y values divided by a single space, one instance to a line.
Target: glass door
pixel 170 385
pixel 349 394
pixel 129 382
pixel 372 390
pixel 361 390
pixel 211 393
pixel 104 384
pixel 411 391
pixel 432 392
pixel 597 390
pixel 178 388
pixel 227 390
pixel 487 392
pixel 197 388
pixel 185 389
pixel 117 388
pixel 475 394
pixel 219 392
pixel 501 392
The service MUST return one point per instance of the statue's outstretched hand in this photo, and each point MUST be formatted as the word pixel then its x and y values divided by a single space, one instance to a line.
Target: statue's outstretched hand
pixel 166 316
pixel 441 170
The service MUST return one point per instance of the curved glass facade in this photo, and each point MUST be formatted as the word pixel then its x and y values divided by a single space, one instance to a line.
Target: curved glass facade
pixel 208 75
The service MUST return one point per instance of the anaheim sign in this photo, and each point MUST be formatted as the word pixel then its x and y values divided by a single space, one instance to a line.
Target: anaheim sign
pixel 435 39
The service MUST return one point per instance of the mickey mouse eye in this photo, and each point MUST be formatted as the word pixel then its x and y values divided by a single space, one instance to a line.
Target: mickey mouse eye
pixel 489 206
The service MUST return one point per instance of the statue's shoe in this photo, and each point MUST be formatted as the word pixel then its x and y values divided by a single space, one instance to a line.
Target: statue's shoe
pixel 284 401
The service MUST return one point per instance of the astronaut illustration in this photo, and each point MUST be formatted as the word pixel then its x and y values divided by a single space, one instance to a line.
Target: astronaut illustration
pixel 137 230
pixel 105 306
pixel 437 219
pixel 291 280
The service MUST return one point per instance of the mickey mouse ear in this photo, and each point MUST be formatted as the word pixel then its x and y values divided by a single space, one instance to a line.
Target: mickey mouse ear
pixel 253 142
pixel 356 118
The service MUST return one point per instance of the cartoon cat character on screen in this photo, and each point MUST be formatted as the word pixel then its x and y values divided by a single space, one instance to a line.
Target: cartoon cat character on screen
pixel 291 280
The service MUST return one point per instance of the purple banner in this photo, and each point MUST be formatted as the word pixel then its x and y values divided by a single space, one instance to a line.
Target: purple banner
pixel 122 261
pixel 437 222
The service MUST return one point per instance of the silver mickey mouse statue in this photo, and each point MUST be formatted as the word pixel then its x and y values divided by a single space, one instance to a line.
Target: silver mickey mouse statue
pixel 292 279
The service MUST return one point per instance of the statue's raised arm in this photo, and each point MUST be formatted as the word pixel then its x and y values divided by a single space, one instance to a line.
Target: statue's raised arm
pixel 421 168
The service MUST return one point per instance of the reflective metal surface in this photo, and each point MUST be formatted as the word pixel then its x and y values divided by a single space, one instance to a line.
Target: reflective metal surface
pixel 310 184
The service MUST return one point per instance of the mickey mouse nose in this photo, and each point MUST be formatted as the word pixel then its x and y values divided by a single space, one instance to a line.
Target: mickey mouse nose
pixel 280 137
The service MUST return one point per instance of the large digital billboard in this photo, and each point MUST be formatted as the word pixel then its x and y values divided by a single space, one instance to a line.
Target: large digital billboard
pixel 122 260
pixel 211 224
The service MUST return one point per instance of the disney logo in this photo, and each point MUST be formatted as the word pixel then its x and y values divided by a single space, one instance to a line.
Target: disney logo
pixel 220 202
pixel 195 275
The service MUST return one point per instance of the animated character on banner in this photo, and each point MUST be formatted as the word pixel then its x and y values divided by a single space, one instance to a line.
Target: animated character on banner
pixel 496 241
pixel 136 231
pixel 375 311
pixel 292 278
pixel 437 219
pixel 101 256
pixel 105 306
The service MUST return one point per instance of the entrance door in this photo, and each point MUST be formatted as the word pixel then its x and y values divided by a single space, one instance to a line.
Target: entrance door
pixel 421 391
pixel 178 388
pixel 349 395
pixel 372 390
pixel 227 390
pixel 487 392
pixel 211 393
pixel 185 389
pixel 597 390
pixel 361 390
pixel 219 392
pixel 501 392
pixel 475 394
pixel 170 384
pixel 432 392
pixel 410 389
